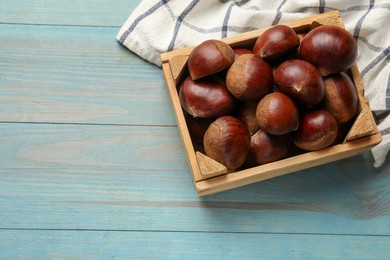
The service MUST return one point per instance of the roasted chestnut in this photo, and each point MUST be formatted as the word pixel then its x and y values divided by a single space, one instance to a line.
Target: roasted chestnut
pixel 249 78
pixel 227 140
pixel 266 148
pixel 301 81
pixel 317 130
pixel 276 42
pixel 207 97
pixel 277 114
pixel 329 48
pixel 341 98
pixel 208 58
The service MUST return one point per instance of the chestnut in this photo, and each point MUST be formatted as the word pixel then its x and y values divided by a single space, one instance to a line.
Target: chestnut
pixel 227 140
pixel 277 114
pixel 329 48
pixel 208 58
pixel 240 51
pixel 246 112
pixel 206 97
pixel 341 98
pixel 301 81
pixel 249 78
pixel 340 135
pixel 317 130
pixel 197 127
pixel 301 36
pixel 276 42
pixel 266 148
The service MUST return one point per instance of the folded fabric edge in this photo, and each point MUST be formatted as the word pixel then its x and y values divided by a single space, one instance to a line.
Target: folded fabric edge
pixel 142 50
pixel 381 150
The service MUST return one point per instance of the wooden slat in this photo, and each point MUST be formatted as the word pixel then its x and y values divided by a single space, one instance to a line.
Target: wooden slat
pixel 77 75
pixel 136 178
pixel 182 124
pixel 84 146
pixel 150 200
pixel 67 12
pixel 285 166
pixel 26 244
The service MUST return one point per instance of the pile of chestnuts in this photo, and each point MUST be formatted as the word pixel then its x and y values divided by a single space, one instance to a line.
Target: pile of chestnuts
pixel 288 93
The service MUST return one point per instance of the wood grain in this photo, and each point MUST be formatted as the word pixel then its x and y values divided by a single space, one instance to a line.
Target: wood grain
pixel 84 146
pixel 26 244
pixel 149 200
pixel 67 12
pixel 136 178
pixel 324 202
pixel 77 75
pixel 92 165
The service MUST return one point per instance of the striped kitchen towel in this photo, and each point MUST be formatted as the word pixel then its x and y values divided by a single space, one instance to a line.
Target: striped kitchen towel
pixel 156 27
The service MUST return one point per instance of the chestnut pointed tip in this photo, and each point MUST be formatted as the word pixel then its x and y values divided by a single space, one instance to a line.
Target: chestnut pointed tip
pixel 301 81
pixel 275 42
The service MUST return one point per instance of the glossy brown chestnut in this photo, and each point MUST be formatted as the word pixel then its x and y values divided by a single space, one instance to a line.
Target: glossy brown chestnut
pixel 206 97
pixel 240 51
pixel 340 135
pixel 341 98
pixel 266 148
pixel 246 112
pixel 208 58
pixel 249 78
pixel 301 36
pixel 317 130
pixel 277 114
pixel 331 49
pixel 197 127
pixel 276 42
pixel 301 81
pixel 227 140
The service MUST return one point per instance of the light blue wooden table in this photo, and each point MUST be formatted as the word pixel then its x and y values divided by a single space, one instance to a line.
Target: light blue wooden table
pixel 92 164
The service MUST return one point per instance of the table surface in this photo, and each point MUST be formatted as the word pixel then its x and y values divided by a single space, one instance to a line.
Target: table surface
pixel 92 164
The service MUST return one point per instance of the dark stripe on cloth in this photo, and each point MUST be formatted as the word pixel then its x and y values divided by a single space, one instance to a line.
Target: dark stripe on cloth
pixel 359 23
pixel 278 13
pixel 370 45
pixel 140 18
pixel 349 9
pixel 322 6
pixel 385 131
pixel 227 16
pixel 388 94
pixel 179 22
pixel 375 61
pixel 226 20
pixel 365 7
pixel 230 28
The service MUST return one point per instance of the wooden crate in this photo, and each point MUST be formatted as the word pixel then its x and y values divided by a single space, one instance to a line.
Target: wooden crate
pixel 211 177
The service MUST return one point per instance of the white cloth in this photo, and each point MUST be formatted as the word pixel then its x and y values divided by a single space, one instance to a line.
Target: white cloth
pixel 156 27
